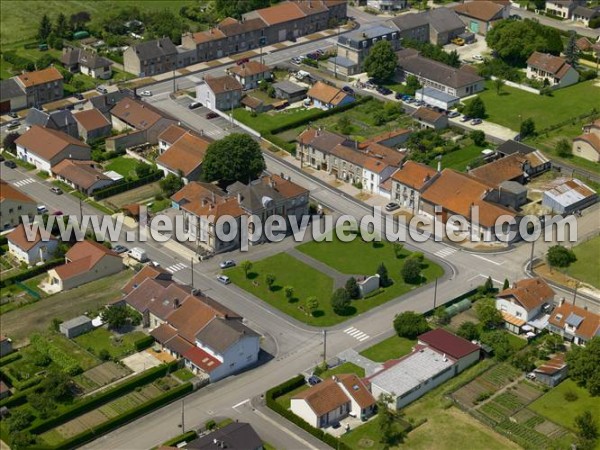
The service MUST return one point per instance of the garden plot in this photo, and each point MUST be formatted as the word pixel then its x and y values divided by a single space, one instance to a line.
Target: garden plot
pixel 489 382
pixel 101 375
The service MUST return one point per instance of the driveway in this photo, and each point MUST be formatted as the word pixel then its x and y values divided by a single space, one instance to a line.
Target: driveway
pixel 139 362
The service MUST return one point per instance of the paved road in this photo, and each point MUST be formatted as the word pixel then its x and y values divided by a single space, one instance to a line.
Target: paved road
pixel 566 25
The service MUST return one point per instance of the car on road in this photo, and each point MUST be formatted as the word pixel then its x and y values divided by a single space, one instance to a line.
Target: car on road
pixel 399 96
pixel 13 124
pixel 313 379
pixel 384 90
pixel 226 264
pixel 223 279
pixel 56 190
pixel 242 61
pixel 102 89
pixel 296 60
pixel 476 121
pixel 146 93
pixel 57 213
pixel 465 119
pixel 478 57
pixel 392 206
pixel 78 96
pixel 10 164
pixel 13 114
pixel 194 105
pixel 41 209
pixel 348 90
pixel 211 115
pixel 453 114
pixel 119 249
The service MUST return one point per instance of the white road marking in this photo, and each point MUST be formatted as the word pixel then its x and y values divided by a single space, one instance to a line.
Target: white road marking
pixel 489 260
pixel 241 403
pixel 443 253
pixel 356 334
pixel 176 267
pixel 24 182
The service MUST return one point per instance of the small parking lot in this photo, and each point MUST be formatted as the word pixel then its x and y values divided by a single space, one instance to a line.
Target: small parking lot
pixel 467 52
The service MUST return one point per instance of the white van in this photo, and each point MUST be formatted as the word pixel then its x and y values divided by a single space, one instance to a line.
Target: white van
pixel 41 209
pixel 138 254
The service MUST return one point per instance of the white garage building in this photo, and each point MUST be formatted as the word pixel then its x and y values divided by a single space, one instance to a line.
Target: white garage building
pixel 440 99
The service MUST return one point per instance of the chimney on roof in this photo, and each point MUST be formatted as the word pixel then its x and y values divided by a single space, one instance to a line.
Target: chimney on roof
pixel 176 303
pixel 561 301
pixel 239 197
pixel 334 378
pixel 439 167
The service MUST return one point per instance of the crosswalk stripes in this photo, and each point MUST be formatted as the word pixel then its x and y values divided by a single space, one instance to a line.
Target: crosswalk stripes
pixel 443 253
pixel 176 267
pixel 356 334
pixel 24 182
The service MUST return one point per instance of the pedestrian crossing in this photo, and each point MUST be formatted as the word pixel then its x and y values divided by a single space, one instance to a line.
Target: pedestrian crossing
pixel 176 267
pixel 356 334
pixel 445 252
pixel 24 182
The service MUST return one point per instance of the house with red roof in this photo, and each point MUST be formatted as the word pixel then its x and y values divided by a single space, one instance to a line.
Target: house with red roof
pixel 14 204
pixel 182 152
pixel 550 69
pixel 574 323
pixel 523 302
pixel 86 261
pixel 587 145
pixel 409 181
pixel 39 247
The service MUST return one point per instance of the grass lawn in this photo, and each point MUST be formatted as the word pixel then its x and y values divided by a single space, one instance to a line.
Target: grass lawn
pixel 347 367
pixel 123 165
pixel 516 342
pixel 583 269
pixel 102 339
pixel 20 323
pixel 391 348
pixel 565 104
pixel 265 122
pixel 286 399
pixel 366 436
pixel 289 271
pixel 556 408
pixel 183 374
pixel 159 205
pixel 20 19
pixel 460 159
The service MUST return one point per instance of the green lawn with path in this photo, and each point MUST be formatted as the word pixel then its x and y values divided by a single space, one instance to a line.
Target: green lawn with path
pixel 123 165
pixel 103 339
pixel 583 269
pixel 564 104
pixel 347 367
pixel 460 159
pixel 391 348
pixel 553 405
pixel 265 122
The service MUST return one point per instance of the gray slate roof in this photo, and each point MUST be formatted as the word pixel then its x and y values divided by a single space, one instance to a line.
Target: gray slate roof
pixel 57 119
pixel 342 62
pixel 75 322
pixel 255 195
pixel 84 58
pixel 10 89
pixel 220 334
pixel 155 48
pixel 235 436
pixel 289 87
pixel 438 95
pixel 409 21
pixel 588 13
pixel 353 39
pixel 509 147
pixel 443 20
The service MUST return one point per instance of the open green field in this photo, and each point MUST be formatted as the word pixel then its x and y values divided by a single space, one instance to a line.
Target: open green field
pixel 102 339
pixel 391 348
pixel 514 105
pixel 368 436
pixel 20 323
pixel 584 268
pixel 556 408
pixel 20 19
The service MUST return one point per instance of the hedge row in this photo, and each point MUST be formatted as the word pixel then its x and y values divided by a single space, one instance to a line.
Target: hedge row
pixel 94 402
pixel 185 437
pixel 30 273
pixel 12 357
pixel 143 343
pixel 128 416
pixel 3 240
pixel 18 384
pixel 126 185
pixel 289 147
pixel 288 386
pixel 320 115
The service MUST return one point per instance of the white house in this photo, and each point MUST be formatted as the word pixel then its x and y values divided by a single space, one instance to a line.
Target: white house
pixel 31 251
pixel 573 323
pixel 437 357
pixel 563 8
pixel 551 69
pixel 523 302
pixel 327 97
pixel 332 400
pixel 222 93
pixel 409 181
pixel 182 155
pixel 250 74
pixel 45 147
pixel 14 204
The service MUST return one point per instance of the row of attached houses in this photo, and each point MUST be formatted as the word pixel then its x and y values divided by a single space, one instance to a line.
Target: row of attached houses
pixel 575 10
pixel 202 204
pixel 31 89
pixel 212 339
pixel 438 26
pixel 287 20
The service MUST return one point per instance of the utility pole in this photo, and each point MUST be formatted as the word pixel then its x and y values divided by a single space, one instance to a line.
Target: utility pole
pixel 575 293
pixel 183 416
pixel 324 346
pixel 192 264
pixel 80 212
pixel 174 83
pixel 531 256
pixel 435 292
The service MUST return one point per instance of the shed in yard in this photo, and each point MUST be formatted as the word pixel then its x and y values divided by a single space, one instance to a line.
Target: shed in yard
pixel 76 327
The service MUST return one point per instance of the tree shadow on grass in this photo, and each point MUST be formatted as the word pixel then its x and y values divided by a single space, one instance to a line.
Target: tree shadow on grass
pixel 377 244
pixel 349 311
pixel 294 300
pixel 318 313
pixel 276 288
pixel 502 94
pixel 252 275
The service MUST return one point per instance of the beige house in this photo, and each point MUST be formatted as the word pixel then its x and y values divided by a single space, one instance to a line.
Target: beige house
pixel 409 182
pixel 39 249
pixel 587 145
pixel 41 86
pixel 13 205
pixel 86 261
pixel 250 74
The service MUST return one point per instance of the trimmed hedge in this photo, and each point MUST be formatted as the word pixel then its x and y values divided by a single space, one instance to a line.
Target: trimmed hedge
pixel 127 185
pixel 320 115
pixel 91 403
pixel 30 273
pixel 289 386
pixel 185 437
pixel 3 240
pixel 143 343
pixel 289 147
pixel 12 357
pixel 128 416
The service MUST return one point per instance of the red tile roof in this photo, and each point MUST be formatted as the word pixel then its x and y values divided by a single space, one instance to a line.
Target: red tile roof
pixel 530 293
pixel 280 13
pixel 591 138
pixel 18 237
pixel 48 75
pixel 202 359
pixel 552 366
pixel 414 174
pixel 481 9
pixel 357 390
pixel 83 174
pixel 250 68
pixel 82 257
pixel 588 328
pixel 555 65
pixel 91 119
pixel 324 397
pixel 46 142
pixel 326 94
pixel 9 192
pixel 138 114
pixel 448 343
pixel 146 272
pixel 172 133
pixel 186 154
pixel 222 84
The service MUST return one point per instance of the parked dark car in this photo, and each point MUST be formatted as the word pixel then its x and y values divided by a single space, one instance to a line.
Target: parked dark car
pixel 465 119
pixel 194 105
pixel 348 90
pixel 211 115
pixel 242 61
pixel 314 380
pixel 10 164
pixel 13 114
pixel 392 206
pixel 119 249
pixel 383 90
pixel 78 96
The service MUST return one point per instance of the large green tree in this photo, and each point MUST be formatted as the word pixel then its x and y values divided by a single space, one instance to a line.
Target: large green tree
pixel 411 270
pixel 527 128
pixel 410 324
pixel 587 430
pixel 499 342
pixel 170 184
pixel 236 157
pixel 475 108
pixel 584 363
pixel 381 61
pixel 571 50
pixel 488 315
pixel 559 256
pixel 340 301
pixel 45 28
pixel 515 40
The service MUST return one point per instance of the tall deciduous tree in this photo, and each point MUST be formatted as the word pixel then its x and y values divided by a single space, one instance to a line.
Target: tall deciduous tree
pixel 352 288
pixel 563 148
pixel 475 108
pixel 527 128
pixel 410 324
pixel 559 256
pixel 487 313
pixel 170 184
pixel 340 301
pixel 391 431
pixel 236 157
pixel 411 270
pixel 412 85
pixel 583 365
pixel 587 430
pixel 499 84
pixel 246 267
pixel 62 27
pixel 312 303
pixel 270 280
pixel 381 62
